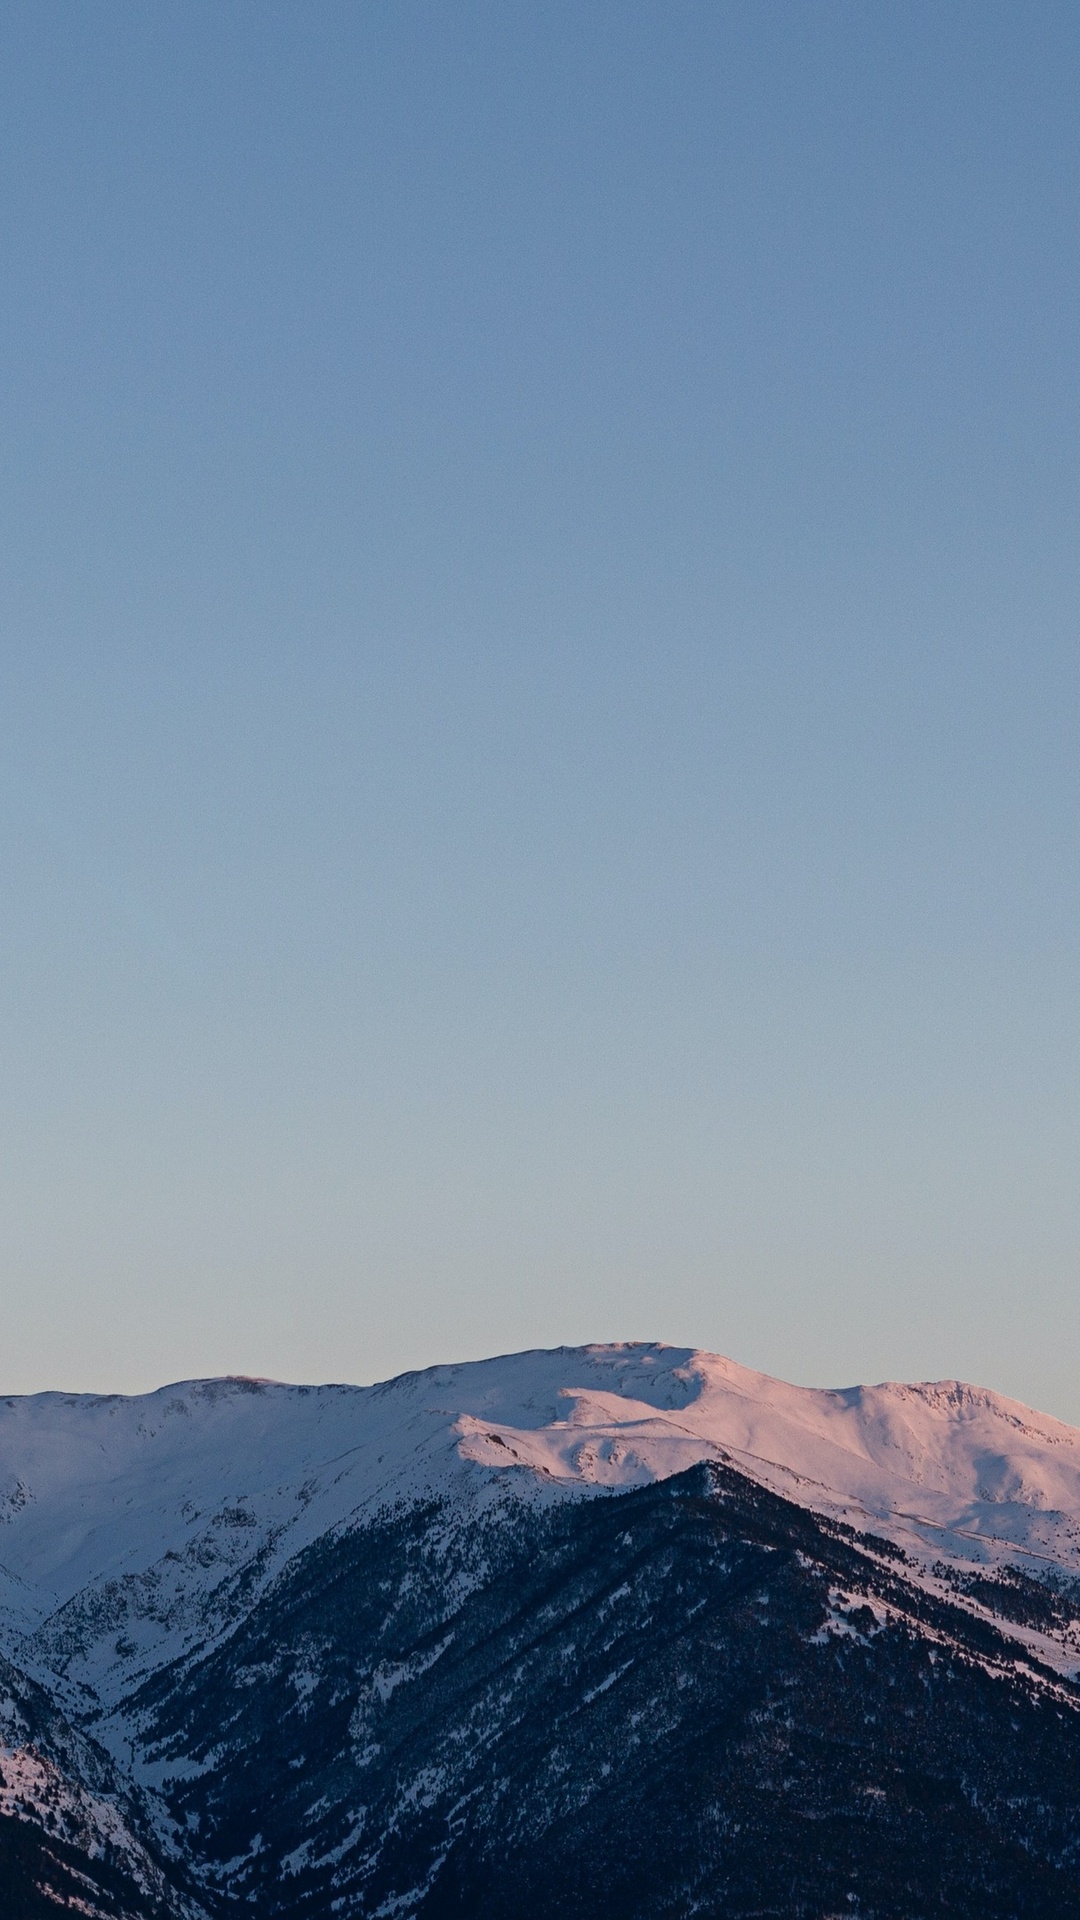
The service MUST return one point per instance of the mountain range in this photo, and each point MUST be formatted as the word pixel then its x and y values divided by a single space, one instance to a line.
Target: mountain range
pixel 620 1631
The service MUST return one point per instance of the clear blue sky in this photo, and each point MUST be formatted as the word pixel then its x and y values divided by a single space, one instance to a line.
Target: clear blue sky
pixel 539 695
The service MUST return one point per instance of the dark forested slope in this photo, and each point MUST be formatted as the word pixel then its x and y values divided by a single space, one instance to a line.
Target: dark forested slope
pixel 695 1698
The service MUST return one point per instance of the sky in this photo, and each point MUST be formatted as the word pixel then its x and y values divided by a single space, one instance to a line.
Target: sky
pixel 539 687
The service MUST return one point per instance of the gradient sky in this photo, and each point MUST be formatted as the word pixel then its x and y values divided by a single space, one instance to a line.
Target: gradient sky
pixel 539 693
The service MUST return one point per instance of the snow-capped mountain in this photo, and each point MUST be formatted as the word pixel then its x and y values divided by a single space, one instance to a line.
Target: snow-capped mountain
pixel 389 1649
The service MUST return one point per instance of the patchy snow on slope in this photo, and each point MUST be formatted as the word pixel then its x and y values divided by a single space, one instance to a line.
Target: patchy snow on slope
pixel 33 1789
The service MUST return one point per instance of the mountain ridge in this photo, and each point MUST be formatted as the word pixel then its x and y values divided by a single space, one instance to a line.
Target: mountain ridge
pixel 314 1591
